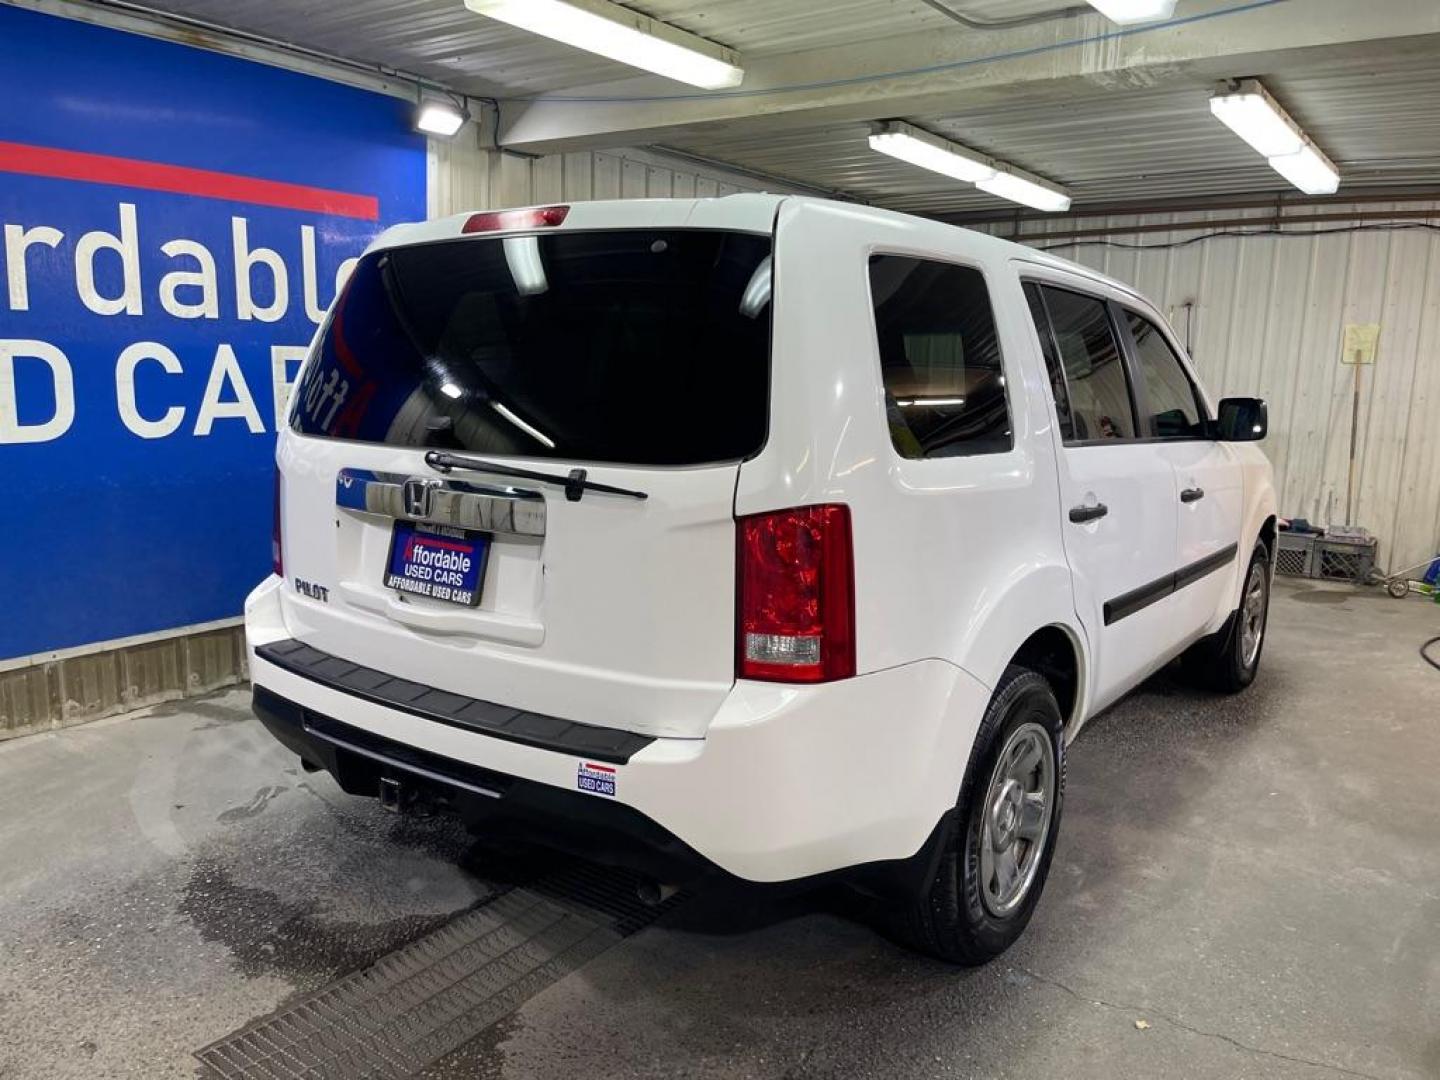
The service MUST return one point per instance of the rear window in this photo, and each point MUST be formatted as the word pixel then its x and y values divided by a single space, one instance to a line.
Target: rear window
pixel 642 347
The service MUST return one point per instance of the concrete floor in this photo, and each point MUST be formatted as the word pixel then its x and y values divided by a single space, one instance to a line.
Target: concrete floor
pixel 1256 878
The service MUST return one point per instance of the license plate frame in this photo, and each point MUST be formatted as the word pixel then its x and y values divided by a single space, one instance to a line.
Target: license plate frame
pixel 437 577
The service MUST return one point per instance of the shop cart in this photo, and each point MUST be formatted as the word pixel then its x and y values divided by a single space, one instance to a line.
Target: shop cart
pixel 1401 584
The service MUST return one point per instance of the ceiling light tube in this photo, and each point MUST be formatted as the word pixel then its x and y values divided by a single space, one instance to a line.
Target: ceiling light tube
pixel 1125 12
pixel 916 146
pixel 1309 170
pixel 758 289
pixel 1250 112
pixel 522 256
pixel 618 33
pixel 529 429
pixel 1027 191
pixel 910 144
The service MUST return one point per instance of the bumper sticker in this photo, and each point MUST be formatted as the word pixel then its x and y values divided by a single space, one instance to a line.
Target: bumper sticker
pixel 596 779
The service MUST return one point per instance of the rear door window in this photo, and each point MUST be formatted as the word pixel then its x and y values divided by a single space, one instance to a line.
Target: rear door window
pixel 1170 397
pixel 1054 372
pixel 639 347
pixel 939 358
pixel 1099 389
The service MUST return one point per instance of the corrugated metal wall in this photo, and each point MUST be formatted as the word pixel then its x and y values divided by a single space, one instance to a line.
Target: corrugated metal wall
pixel 465 177
pixel 1264 316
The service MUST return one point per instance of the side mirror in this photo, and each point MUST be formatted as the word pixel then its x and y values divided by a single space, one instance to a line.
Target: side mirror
pixel 1242 419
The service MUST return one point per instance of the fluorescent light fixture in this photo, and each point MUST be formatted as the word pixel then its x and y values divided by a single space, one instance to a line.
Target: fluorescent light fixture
pixel 522 256
pixel 529 429
pixel 1027 192
pixel 1247 109
pixel 439 118
pixel 450 390
pixel 910 144
pixel 1309 170
pixel 621 34
pixel 1125 12
pixel 1253 114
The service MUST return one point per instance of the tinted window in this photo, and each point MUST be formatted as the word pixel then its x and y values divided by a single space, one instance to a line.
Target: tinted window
pixel 939 358
pixel 1094 373
pixel 1169 396
pixel 638 346
pixel 1053 370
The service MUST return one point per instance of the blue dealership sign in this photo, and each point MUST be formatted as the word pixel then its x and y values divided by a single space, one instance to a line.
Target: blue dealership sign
pixel 174 223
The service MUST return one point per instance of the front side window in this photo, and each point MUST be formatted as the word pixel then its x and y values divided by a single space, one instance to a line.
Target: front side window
pixel 636 346
pixel 1169 395
pixel 1094 373
pixel 939 358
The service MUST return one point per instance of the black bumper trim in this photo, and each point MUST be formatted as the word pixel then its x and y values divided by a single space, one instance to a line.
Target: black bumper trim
pixel 482 717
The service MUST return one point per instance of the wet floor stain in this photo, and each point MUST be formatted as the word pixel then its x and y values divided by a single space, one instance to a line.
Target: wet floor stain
pixel 482 1058
pixel 256 804
pixel 1319 596
pixel 216 716
pixel 291 939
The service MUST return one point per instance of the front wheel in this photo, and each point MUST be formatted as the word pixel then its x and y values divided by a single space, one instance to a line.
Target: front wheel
pixel 992 871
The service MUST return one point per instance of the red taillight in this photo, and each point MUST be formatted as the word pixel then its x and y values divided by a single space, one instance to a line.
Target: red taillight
pixel 796 579
pixel 501 220
pixel 277 560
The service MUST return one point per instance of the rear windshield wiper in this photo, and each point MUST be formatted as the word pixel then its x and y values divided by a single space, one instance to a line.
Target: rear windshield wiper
pixel 575 483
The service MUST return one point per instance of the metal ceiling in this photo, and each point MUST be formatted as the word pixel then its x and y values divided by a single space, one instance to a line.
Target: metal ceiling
pixel 442 41
pixel 1378 118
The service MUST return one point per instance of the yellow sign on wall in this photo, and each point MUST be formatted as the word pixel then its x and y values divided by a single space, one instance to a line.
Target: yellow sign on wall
pixel 1362 341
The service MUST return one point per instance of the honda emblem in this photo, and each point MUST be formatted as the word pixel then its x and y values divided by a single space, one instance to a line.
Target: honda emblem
pixel 416 494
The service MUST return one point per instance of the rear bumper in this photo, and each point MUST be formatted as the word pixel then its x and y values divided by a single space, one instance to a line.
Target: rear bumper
pixel 789 782
pixel 602 830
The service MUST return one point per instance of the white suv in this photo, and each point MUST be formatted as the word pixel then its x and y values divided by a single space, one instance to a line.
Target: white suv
pixel 764 536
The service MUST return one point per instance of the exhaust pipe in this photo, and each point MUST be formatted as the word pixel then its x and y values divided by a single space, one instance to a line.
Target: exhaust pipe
pixel 655 893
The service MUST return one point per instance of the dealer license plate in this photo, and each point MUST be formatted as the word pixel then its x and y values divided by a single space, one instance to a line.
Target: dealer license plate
pixel 437 561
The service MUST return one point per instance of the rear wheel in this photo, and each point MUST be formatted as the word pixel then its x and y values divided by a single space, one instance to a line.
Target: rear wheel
pixel 1229 660
pixel 992 871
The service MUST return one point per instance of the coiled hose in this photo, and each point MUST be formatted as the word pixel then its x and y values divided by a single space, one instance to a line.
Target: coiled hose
pixel 1425 654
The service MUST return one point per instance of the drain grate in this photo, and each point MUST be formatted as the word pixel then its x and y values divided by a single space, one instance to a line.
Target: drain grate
pixel 434 995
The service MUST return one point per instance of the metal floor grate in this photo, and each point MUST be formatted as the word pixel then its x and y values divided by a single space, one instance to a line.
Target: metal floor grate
pixel 429 998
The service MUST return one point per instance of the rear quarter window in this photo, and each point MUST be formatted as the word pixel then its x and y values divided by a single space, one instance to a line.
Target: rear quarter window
pixel 939 358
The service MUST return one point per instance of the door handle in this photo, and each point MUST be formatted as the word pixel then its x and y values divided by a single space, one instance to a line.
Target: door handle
pixel 1190 495
pixel 1081 514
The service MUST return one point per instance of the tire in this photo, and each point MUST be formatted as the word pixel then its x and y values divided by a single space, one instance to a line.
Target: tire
pixel 964 915
pixel 1399 588
pixel 1227 661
